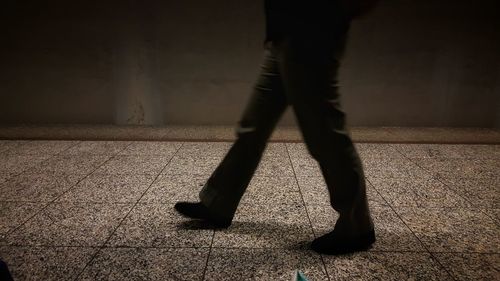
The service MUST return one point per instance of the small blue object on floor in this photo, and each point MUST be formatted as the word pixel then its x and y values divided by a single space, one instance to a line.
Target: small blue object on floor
pixel 299 276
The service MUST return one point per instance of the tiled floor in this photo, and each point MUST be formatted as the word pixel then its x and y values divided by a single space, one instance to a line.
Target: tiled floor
pixel 90 210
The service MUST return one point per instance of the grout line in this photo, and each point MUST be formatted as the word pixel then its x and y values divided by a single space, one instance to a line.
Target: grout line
pixel 412 232
pixel 45 204
pixel 203 276
pixel 305 207
pixel 448 187
pixel 102 246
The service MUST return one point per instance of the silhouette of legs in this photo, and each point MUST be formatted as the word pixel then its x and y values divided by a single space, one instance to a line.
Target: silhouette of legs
pixel 224 189
pixel 301 72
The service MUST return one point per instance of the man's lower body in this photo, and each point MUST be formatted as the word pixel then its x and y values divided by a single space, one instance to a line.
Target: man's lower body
pixel 302 74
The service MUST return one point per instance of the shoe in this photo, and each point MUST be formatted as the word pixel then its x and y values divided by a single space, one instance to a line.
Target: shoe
pixel 332 244
pixel 200 212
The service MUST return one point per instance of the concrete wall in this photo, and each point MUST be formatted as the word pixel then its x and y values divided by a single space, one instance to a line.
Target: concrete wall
pixel 162 62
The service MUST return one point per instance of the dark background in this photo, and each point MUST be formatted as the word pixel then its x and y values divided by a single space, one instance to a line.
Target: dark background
pixel 193 62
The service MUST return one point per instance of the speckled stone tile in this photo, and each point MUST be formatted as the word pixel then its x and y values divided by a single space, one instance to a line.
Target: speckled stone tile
pixel 306 167
pixel 263 264
pixel 315 191
pixel 480 192
pixel 204 149
pixel 4 176
pixel 156 225
pixel 173 188
pixel 494 214
pixel 272 165
pixel 147 264
pixel 397 192
pixel 418 192
pixel 41 147
pixel 46 263
pixel 97 148
pixel 391 233
pixel 165 149
pixel 272 191
pixel 13 214
pixel 70 224
pixel 460 168
pixel 13 164
pixel 393 168
pixel 275 226
pixel 42 187
pixel 276 149
pixel 110 188
pixel 192 165
pixel 471 266
pixel 70 164
pixel 377 150
pixel 135 164
pixel 449 151
pixel 6 145
pixel 453 230
pixel 391 266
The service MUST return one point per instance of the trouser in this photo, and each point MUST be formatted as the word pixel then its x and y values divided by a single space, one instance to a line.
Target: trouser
pixel 302 74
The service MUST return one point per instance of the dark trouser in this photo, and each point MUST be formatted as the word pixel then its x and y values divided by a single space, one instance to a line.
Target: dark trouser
pixel 301 74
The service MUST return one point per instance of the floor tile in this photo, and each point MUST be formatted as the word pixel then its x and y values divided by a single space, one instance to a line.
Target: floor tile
pixel 272 165
pixel 97 148
pixel 471 266
pixel 147 264
pixel 276 226
pixel 70 224
pixel 494 214
pixel 306 167
pixel 315 191
pixel 263 264
pixel 385 266
pixel 41 147
pixel 14 214
pixel 45 263
pixel 453 230
pixel 418 192
pixel 109 188
pixel 204 149
pixel 136 164
pixel 459 168
pixel 397 192
pixel 173 188
pixel 41 187
pixel 269 191
pixel 276 150
pixel 157 225
pixel 70 164
pixel 14 164
pixel 4 176
pixel 447 151
pixel 192 165
pixel 480 192
pixel 376 150
pixel 395 168
pixel 151 148
pixel 391 233
pixel 6 145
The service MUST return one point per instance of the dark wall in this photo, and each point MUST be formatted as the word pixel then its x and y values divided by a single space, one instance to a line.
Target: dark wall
pixel 410 63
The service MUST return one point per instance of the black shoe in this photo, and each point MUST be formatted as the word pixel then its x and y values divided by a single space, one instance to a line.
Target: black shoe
pixel 200 212
pixel 333 244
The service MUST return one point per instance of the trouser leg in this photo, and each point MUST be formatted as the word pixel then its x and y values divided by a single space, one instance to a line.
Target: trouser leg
pixel 310 84
pixel 225 187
